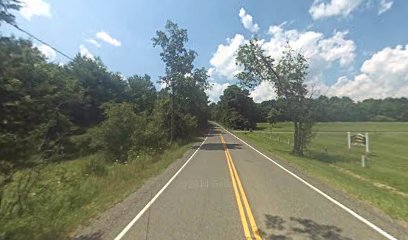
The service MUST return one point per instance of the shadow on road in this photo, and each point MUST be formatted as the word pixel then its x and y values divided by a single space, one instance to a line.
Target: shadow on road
pixel 278 228
pixel 92 236
pixel 219 146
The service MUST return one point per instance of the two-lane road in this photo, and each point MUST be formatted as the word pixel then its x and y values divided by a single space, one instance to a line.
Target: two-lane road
pixel 227 190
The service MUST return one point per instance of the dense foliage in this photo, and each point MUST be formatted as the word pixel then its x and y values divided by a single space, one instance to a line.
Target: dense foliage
pixel 52 112
pixel 235 109
pixel 343 109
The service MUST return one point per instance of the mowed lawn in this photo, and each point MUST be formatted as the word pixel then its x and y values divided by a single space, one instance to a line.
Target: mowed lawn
pixel 383 183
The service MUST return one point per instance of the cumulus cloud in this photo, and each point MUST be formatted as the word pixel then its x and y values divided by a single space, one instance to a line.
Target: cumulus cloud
pixel 104 36
pixel 223 60
pixel 85 52
pixel 216 90
pixel 322 53
pixel 385 74
pixel 322 9
pixel 31 8
pixel 94 42
pixel 263 92
pixel 48 52
pixel 384 6
pixel 247 21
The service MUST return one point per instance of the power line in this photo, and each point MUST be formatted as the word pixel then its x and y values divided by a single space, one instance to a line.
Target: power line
pixel 41 41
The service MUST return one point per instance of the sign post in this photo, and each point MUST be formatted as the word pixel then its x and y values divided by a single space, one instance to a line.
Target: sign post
pixel 366 143
pixel 363 161
pixel 349 140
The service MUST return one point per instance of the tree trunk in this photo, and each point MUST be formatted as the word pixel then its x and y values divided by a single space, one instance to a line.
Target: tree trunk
pixel 172 127
pixel 297 137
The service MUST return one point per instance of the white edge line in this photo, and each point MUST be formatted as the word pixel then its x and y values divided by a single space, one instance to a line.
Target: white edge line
pixel 356 215
pixel 134 220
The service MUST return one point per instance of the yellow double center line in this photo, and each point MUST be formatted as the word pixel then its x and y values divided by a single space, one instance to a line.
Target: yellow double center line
pixel 241 198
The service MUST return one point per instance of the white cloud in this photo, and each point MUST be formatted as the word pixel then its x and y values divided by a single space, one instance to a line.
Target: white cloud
pixel 104 36
pixel 94 42
pixel 322 53
pixel 263 92
pixel 48 52
pixel 247 21
pixel 385 74
pixel 322 9
pixel 216 90
pixel 31 8
pixel 384 6
pixel 85 52
pixel 223 60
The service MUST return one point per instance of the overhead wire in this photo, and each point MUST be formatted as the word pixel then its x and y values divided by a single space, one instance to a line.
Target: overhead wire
pixel 41 41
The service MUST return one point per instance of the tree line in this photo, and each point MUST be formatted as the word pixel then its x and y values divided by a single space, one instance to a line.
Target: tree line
pixel 52 112
pixel 325 109
pixel 341 109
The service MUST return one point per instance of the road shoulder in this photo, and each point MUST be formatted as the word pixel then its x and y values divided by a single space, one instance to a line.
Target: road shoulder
pixel 109 223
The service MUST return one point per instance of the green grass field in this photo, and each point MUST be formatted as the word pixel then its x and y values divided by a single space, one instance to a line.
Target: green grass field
pixel 70 193
pixel 383 183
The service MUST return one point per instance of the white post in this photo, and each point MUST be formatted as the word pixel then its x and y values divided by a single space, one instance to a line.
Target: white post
pixel 349 140
pixel 367 143
pixel 363 161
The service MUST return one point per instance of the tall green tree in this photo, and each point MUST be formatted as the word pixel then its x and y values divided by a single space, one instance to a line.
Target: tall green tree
pixel 141 92
pixel 236 109
pixel 34 96
pixel 288 76
pixel 99 86
pixel 185 84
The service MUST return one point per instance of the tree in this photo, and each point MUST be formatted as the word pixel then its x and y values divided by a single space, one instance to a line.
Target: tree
pixel 236 109
pixel 273 116
pixel 185 84
pixel 114 134
pixel 288 77
pixel 141 92
pixel 5 7
pixel 99 86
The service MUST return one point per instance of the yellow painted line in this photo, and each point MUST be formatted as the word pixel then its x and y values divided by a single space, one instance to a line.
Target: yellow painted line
pixel 247 233
pixel 251 218
pixel 235 178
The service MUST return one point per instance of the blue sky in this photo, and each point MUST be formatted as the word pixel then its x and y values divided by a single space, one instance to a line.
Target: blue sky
pixel 356 48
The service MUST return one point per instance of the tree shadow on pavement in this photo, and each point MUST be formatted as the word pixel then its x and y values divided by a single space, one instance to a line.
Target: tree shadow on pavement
pixel 278 228
pixel 219 146
pixel 92 236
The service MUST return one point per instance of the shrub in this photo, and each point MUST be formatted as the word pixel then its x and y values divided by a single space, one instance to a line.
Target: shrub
pixel 114 134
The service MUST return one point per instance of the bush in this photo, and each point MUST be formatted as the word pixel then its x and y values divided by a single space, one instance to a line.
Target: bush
pixel 114 134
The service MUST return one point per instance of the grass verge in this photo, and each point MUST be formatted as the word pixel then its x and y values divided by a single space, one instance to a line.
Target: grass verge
pixel 68 194
pixel 383 183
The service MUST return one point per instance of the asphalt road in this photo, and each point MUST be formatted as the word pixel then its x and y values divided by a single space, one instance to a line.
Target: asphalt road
pixel 227 190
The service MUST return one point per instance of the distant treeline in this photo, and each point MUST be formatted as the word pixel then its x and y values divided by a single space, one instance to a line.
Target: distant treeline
pixel 342 109
pixel 237 110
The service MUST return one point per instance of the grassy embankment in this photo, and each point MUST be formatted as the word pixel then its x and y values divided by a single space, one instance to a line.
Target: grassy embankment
pixel 70 193
pixel 383 183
